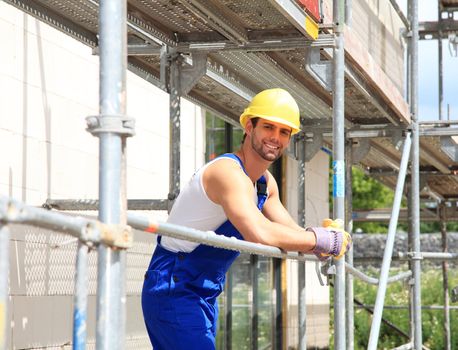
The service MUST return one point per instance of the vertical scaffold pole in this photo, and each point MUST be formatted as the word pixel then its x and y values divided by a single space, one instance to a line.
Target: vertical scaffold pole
pixel 387 255
pixel 302 300
pixel 415 190
pixel 112 209
pixel 175 127
pixel 338 164
pixel 440 63
pixel 227 340
pixel 80 299
pixel 4 287
pixel 254 276
pixel 228 310
pixel 409 249
pixel 349 257
pixel 443 225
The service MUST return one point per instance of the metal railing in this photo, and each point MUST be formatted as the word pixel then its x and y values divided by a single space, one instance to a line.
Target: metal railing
pixel 92 233
pixel 212 239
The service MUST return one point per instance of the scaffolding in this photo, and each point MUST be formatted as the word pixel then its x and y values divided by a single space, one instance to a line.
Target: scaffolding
pixel 186 63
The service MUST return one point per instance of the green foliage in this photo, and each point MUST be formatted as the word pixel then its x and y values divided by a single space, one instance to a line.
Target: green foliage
pixel 368 193
pixel 398 294
pixel 241 316
pixel 434 227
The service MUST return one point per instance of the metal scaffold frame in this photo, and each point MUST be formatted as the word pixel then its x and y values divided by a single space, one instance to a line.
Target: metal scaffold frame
pixel 111 233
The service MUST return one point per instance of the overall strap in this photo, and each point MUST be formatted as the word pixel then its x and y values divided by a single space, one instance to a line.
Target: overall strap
pixel 261 186
pixel 235 157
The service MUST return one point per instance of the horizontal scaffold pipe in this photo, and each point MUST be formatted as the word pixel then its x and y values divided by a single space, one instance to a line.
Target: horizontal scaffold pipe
pixel 86 230
pixel 211 238
pixel 406 307
pixel 430 256
pixel 372 280
pixel 93 204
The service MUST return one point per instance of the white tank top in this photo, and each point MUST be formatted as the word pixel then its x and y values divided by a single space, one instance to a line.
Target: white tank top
pixel 194 209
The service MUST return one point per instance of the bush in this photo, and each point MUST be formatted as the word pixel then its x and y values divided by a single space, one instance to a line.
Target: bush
pixel 398 294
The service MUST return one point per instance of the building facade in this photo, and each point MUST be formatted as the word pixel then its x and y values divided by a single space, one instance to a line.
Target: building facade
pixel 49 84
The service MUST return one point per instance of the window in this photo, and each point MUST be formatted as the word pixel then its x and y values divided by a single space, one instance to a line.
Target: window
pixel 220 136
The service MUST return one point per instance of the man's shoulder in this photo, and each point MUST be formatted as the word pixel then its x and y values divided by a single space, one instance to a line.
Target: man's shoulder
pixel 226 158
pixel 223 179
pixel 223 166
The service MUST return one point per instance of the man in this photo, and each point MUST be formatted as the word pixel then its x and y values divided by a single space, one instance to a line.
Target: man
pixel 236 196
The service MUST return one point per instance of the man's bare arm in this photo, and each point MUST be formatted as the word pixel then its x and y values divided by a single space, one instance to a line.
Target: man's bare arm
pixel 227 185
pixel 274 209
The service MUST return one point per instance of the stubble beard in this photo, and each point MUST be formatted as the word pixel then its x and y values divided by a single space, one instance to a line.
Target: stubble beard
pixel 270 155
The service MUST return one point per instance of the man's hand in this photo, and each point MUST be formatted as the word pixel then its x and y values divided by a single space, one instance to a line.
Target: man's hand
pixel 331 239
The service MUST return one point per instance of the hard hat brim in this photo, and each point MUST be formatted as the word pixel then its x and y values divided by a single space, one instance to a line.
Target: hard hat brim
pixel 246 116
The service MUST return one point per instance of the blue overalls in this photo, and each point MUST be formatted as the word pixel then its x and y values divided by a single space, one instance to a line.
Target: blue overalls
pixel 179 297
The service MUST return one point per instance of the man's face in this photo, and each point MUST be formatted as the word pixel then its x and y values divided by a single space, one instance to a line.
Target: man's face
pixel 269 139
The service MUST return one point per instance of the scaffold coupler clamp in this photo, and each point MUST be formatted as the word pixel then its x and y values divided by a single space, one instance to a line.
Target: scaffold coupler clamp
pixel 325 268
pixel 116 124
pixel 415 255
pixel 116 235
pixel 171 198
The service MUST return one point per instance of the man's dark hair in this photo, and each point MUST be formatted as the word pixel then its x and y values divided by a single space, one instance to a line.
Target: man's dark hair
pixel 254 121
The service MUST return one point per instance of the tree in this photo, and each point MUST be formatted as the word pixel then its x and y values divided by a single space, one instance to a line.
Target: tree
pixel 369 193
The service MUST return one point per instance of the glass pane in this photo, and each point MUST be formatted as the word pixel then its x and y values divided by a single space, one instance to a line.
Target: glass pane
pixel 214 136
pixel 221 325
pixel 242 310
pixel 266 305
pixel 241 303
pixel 237 135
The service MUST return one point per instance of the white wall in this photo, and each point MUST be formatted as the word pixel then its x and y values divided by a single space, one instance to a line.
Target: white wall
pixel 48 85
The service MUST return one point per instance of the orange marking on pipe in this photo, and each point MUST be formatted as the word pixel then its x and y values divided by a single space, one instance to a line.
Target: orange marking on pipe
pixel 153 226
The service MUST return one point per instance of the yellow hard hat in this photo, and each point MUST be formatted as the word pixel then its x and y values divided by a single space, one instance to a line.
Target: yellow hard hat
pixel 276 105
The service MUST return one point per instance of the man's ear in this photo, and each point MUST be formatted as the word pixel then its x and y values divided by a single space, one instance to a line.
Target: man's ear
pixel 249 127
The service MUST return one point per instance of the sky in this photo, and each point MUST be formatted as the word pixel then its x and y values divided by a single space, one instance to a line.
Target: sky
pixel 428 89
